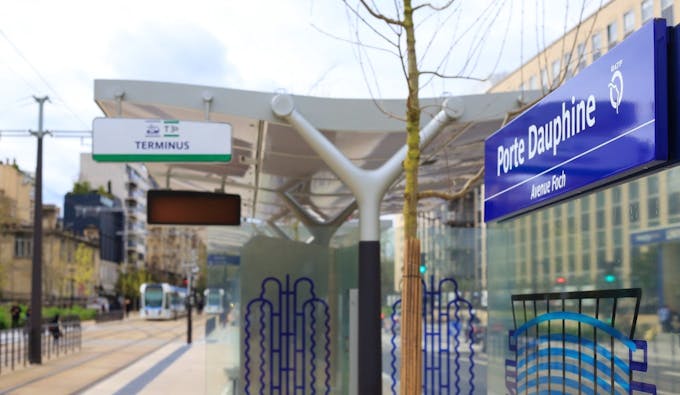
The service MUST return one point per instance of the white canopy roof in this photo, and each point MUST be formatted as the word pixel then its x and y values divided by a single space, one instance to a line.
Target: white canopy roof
pixel 270 159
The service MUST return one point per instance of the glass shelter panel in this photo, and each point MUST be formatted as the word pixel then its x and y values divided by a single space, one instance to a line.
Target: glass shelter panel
pixel 454 316
pixel 284 321
pixel 607 321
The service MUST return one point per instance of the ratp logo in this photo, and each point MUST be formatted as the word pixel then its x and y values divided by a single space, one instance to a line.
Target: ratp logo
pixel 152 130
pixel 616 86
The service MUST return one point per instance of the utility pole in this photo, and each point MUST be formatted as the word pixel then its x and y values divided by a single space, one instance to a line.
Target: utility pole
pixel 34 336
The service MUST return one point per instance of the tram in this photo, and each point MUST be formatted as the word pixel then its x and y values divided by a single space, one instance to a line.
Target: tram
pixel 214 300
pixel 162 301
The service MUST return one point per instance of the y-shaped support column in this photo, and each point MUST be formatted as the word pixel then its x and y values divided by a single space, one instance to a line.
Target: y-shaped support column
pixel 322 231
pixel 369 187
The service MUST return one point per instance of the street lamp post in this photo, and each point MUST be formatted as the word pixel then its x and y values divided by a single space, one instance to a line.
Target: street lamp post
pixel 189 325
pixel 191 269
pixel 35 324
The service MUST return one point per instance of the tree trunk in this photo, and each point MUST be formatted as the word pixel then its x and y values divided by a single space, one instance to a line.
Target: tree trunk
pixel 411 322
pixel 411 293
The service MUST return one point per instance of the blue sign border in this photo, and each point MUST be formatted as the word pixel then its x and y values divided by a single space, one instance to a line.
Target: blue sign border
pixel 601 135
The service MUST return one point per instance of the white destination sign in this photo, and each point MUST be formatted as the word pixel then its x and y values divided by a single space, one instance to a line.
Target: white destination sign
pixel 157 140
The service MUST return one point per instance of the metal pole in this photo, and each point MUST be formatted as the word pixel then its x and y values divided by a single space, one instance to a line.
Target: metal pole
pixel 189 306
pixel 72 293
pixel 34 343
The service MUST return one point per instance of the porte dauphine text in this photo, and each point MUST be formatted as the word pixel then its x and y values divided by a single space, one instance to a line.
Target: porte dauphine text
pixel 573 119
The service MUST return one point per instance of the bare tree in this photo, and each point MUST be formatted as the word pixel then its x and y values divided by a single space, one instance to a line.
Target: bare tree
pixel 402 23
pixel 395 28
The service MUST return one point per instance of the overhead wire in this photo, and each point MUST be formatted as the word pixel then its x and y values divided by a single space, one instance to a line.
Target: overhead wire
pixel 482 42
pixel 503 42
pixel 41 77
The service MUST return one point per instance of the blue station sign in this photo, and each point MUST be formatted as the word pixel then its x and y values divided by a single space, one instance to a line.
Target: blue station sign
pixel 223 259
pixel 651 236
pixel 607 122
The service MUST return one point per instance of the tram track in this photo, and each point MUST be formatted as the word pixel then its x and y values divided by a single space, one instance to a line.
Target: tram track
pixel 105 352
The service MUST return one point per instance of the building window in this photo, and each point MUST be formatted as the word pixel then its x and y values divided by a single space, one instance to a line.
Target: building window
pixel 634 212
pixel 586 262
pixel 601 255
pixel 533 82
pixel 633 190
pixel 647 10
pixel 581 53
pixel 612 35
pixel 674 203
pixel 653 208
pixel 628 23
pixel 618 237
pixel 616 216
pixel 555 72
pixel 585 222
pixel 23 247
pixel 544 79
pixel 653 185
pixel 568 68
pixel 600 219
pixel 667 11
pixel 596 45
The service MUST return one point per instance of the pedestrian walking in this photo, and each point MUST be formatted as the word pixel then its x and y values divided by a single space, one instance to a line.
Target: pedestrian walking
pixel 54 328
pixel 15 311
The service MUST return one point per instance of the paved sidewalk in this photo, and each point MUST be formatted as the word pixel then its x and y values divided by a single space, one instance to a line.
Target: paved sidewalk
pixel 177 368
pixel 170 366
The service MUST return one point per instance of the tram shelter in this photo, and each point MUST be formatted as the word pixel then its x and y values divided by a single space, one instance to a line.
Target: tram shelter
pixel 318 161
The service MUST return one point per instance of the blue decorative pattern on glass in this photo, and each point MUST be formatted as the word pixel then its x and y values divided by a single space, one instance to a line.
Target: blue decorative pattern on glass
pixel 449 333
pixel 579 346
pixel 288 329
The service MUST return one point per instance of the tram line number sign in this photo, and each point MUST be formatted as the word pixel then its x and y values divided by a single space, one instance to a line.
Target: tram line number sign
pixel 158 140
pixel 607 122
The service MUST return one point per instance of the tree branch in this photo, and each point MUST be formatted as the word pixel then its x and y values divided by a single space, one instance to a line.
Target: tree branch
pixel 455 195
pixel 437 74
pixel 379 16
pixel 368 25
pixel 429 5
pixel 462 191
pixel 357 43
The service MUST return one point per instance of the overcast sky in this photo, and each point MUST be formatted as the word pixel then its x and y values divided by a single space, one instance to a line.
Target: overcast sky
pixel 58 48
